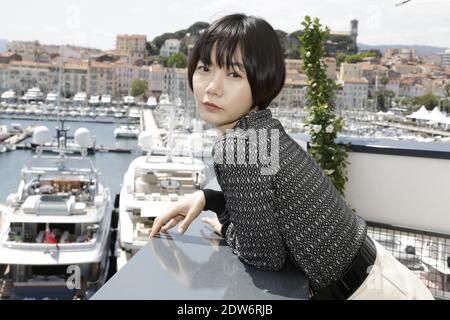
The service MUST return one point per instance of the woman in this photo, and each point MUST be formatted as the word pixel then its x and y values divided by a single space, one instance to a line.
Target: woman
pixel 276 203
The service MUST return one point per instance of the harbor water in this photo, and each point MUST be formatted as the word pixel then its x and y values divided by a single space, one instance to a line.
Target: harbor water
pixel 112 166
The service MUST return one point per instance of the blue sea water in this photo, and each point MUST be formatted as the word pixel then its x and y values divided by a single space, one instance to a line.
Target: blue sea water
pixel 112 166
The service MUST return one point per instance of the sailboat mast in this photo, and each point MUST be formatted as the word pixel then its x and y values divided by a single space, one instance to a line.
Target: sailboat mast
pixel 171 125
pixel 59 86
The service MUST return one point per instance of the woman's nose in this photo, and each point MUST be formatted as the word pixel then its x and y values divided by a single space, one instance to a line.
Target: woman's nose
pixel 214 86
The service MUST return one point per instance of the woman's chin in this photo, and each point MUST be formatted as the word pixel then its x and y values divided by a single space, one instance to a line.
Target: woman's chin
pixel 210 118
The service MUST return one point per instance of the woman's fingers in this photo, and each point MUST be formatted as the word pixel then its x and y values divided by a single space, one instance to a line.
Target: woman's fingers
pixel 177 213
pixel 188 220
pixel 172 223
pixel 169 225
pixel 164 218
pixel 207 220
pixel 214 223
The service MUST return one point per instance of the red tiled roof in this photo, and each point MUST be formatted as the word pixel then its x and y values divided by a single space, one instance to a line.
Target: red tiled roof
pixel 354 80
pixel 96 64
pixel 8 54
pixel 31 64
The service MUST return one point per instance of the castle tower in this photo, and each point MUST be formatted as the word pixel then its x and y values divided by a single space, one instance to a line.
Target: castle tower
pixel 354 33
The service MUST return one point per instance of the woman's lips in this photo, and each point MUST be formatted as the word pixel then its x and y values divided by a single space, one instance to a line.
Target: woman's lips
pixel 211 108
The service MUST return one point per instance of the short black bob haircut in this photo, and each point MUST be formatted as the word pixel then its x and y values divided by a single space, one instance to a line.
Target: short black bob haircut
pixel 260 49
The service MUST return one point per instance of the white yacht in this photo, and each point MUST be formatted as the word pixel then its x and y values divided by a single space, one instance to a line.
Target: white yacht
pixel 165 103
pixel 129 101
pixel 51 106
pixel 33 95
pixel 80 99
pixel 69 144
pixel 4 133
pixel 55 230
pixel 20 110
pixel 151 102
pixel 10 110
pixel 8 97
pixel 134 113
pixel 126 131
pixel 106 100
pixel 74 113
pixel 94 100
pixel 118 115
pixel 151 184
pixel 51 98
pixel 31 109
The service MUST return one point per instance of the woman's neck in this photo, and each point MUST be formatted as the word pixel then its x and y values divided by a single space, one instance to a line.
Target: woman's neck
pixel 223 128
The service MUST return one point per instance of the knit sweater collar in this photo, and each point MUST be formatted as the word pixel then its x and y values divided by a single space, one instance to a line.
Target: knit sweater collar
pixel 253 119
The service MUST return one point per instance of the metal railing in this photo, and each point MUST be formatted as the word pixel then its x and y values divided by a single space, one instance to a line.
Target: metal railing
pixel 426 253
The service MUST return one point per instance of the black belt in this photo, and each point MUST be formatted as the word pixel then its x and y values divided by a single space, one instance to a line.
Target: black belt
pixel 354 277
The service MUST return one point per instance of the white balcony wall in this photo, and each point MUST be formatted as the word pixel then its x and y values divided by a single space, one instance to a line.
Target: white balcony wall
pixel 404 191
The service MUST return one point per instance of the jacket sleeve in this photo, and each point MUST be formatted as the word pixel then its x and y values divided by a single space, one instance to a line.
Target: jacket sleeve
pixel 252 232
pixel 215 201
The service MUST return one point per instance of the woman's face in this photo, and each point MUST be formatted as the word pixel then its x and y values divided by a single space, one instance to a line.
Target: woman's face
pixel 229 90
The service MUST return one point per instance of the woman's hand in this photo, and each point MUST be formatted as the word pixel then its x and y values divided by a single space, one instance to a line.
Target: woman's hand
pixel 185 210
pixel 214 223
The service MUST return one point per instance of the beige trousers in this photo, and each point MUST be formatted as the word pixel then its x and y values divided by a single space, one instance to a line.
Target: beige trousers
pixel 389 279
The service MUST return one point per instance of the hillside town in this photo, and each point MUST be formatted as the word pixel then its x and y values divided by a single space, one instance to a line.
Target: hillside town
pixel 366 80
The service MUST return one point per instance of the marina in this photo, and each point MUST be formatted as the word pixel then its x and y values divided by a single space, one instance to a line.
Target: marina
pixel 22 146
pixel 146 157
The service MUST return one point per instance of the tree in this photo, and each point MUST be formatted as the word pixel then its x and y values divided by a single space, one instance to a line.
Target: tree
pixel 428 100
pixel 353 58
pixel 163 60
pixel 372 53
pixel 381 97
pixel 341 43
pixel 159 41
pixel 196 27
pixel 447 90
pixel 293 52
pixel 323 123
pixel 177 60
pixel 292 45
pixel 151 49
pixel 340 57
pixel 139 87
pixel 447 95
pixel 282 37
pixel 380 100
pixel 389 95
pixel 181 34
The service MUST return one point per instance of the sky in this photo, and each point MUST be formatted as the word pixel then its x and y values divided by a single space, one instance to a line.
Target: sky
pixel 95 23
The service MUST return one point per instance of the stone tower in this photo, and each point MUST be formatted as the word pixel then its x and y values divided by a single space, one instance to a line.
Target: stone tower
pixel 354 33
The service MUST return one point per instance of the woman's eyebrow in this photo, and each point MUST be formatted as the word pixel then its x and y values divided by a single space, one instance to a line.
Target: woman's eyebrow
pixel 233 64
pixel 239 65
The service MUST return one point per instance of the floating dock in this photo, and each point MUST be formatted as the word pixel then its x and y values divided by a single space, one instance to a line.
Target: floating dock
pixel 20 136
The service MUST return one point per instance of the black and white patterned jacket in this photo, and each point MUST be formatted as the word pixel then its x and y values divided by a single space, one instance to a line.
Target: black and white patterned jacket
pixel 272 210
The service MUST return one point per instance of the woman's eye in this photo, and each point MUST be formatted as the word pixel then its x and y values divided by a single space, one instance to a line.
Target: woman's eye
pixel 235 74
pixel 204 68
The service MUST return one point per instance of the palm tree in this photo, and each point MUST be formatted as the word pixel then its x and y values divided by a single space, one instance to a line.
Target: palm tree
pixel 389 94
pixel 447 95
